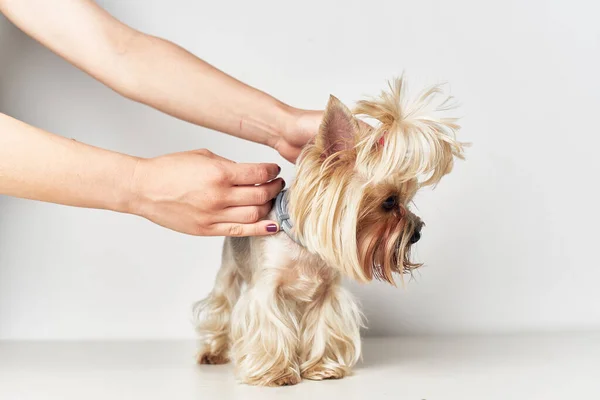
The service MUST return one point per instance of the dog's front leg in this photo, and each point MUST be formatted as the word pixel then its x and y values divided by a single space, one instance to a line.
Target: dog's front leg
pixel 264 333
pixel 330 341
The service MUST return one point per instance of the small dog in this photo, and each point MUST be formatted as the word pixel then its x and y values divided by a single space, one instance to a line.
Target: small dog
pixel 346 214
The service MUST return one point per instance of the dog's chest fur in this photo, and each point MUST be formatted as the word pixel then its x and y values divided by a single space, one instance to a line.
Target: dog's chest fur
pixel 280 261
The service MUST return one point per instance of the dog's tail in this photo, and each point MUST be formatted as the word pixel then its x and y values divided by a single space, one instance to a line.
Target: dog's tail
pixel 412 141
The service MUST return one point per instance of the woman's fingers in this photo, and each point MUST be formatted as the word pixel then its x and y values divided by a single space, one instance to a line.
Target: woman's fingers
pixel 254 195
pixel 244 214
pixel 252 174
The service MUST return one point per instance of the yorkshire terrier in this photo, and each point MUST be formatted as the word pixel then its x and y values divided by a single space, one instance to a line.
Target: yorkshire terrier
pixel 278 308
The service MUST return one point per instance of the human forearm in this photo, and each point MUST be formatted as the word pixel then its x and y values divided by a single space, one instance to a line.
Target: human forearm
pixel 161 74
pixel 151 70
pixel 38 165
pixel 194 192
pixel 176 82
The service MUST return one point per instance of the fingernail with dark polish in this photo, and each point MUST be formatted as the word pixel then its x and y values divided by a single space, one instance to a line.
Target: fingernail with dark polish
pixel 278 169
pixel 282 183
pixel 272 228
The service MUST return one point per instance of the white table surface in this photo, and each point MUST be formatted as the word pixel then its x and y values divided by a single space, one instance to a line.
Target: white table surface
pixel 565 366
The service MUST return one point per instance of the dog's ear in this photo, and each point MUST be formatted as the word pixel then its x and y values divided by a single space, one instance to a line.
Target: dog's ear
pixel 339 130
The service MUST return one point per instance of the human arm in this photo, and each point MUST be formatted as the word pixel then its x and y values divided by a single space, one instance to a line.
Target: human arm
pixel 161 74
pixel 195 192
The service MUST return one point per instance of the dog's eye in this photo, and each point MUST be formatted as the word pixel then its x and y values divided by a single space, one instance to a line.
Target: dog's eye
pixel 390 203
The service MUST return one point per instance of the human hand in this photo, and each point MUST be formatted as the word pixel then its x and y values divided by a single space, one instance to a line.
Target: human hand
pixel 301 127
pixel 203 194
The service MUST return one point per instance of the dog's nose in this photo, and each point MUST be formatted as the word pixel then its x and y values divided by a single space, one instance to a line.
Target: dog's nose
pixel 415 237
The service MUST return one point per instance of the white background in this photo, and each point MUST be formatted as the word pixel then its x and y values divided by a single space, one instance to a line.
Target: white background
pixel 511 237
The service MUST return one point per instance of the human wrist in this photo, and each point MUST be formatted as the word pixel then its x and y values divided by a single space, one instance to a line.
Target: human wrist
pixel 285 119
pixel 129 193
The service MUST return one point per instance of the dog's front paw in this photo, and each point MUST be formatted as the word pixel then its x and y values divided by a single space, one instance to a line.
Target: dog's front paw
pixel 212 359
pixel 288 377
pixel 288 380
pixel 321 372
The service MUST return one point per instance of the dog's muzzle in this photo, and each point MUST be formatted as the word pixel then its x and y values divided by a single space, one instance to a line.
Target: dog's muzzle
pixel 416 236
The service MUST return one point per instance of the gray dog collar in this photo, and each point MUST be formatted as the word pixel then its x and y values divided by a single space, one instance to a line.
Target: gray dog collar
pixel 283 217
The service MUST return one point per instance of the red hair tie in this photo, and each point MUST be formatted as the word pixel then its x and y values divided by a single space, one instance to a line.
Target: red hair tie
pixel 382 139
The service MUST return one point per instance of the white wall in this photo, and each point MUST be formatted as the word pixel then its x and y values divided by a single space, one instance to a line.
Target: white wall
pixel 511 236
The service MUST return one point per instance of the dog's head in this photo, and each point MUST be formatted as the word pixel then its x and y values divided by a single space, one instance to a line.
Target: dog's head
pixel 350 199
